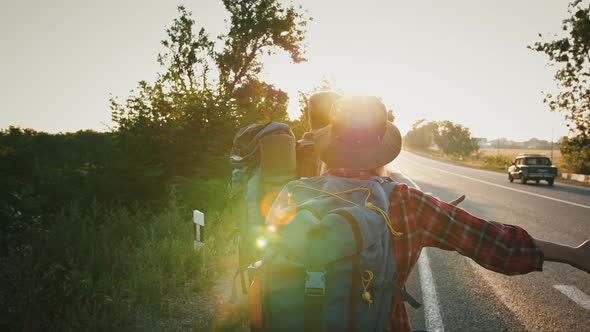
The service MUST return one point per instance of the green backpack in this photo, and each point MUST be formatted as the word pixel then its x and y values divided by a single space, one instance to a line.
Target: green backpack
pixel 328 264
pixel 263 159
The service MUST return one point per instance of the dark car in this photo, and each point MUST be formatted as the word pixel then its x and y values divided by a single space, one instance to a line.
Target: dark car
pixel 532 167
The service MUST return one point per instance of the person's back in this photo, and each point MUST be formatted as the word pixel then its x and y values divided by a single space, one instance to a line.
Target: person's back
pixel 357 144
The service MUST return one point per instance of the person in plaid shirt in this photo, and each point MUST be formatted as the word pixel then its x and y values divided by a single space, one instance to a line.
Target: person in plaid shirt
pixel 360 141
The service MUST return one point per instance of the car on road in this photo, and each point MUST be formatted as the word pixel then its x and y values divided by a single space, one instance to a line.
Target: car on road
pixel 532 167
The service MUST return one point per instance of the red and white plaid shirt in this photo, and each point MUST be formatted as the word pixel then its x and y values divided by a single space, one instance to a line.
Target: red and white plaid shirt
pixel 425 221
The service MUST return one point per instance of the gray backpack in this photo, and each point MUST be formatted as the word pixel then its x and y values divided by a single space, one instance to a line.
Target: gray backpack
pixel 329 263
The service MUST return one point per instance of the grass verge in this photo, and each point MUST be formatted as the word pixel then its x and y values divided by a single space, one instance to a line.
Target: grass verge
pixel 496 163
pixel 106 267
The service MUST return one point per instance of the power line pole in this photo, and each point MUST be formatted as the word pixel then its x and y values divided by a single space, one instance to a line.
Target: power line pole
pixel 552 144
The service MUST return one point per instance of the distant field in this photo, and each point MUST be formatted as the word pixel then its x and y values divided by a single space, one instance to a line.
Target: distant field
pixel 514 152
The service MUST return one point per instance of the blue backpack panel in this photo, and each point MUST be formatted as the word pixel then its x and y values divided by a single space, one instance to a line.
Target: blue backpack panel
pixel 329 264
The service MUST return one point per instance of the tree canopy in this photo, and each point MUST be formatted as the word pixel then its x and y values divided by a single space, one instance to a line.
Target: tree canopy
pixel 570 54
pixel 258 27
pixel 451 138
pixel 454 139
pixel 186 119
pixel 421 136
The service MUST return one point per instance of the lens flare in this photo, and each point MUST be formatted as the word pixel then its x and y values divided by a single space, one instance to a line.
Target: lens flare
pixel 277 210
pixel 281 216
pixel 261 242
pixel 267 202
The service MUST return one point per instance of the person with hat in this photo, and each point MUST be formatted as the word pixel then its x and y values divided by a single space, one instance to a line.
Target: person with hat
pixel 359 142
pixel 318 111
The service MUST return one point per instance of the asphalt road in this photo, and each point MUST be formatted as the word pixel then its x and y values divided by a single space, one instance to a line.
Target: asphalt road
pixel 463 296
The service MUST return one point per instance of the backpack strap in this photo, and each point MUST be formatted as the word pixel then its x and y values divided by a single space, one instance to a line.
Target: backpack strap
pixel 356 268
pixel 388 185
pixel 313 306
pixel 407 297
pixel 315 285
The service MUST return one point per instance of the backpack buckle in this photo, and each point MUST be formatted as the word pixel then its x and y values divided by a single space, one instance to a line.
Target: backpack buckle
pixel 315 283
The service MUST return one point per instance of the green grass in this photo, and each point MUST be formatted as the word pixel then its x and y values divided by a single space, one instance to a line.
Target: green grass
pixel 106 267
pixel 489 162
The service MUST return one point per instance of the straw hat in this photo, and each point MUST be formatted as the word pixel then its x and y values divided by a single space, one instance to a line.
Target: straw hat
pixel 359 135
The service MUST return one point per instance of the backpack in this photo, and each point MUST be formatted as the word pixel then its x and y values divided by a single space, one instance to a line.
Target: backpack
pixel 329 263
pixel 308 163
pixel 263 160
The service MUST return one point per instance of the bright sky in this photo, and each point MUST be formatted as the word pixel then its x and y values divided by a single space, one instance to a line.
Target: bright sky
pixel 461 60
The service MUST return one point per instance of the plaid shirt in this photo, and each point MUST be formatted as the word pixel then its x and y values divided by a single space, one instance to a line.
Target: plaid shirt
pixel 426 221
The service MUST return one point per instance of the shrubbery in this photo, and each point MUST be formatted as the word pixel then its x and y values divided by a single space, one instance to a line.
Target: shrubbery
pixel 101 267
pixel 96 229
pixel 576 154
pixel 498 162
pixel 81 246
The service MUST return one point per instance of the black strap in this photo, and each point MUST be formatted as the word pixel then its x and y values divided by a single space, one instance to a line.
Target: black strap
pixel 406 297
pixel 356 269
pixel 313 313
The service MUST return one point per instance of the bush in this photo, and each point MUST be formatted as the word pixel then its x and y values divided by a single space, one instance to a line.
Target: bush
pixel 98 269
pixel 576 154
pixel 497 162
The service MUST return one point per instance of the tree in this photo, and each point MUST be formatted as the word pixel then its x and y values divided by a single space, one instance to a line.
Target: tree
pixel 454 139
pixel 571 55
pixel 421 135
pixel 188 57
pixel 390 115
pixel 258 27
pixel 260 102
pixel 184 122
pixel 300 125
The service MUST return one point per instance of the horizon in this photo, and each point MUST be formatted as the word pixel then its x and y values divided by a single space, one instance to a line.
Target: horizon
pixel 429 60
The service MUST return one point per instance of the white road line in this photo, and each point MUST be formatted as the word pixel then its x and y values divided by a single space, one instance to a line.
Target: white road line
pixel 575 295
pixel 429 294
pixel 432 314
pixel 434 321
pixel 501 186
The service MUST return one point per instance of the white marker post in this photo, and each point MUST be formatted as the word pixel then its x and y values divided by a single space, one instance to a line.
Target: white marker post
pixel 199 220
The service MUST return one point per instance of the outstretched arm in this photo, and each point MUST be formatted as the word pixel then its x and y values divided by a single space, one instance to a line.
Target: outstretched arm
pixel 578 257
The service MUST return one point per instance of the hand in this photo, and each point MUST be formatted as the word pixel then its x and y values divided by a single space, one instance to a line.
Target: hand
pixel 581 259
pixel 457 201
pixel 578 257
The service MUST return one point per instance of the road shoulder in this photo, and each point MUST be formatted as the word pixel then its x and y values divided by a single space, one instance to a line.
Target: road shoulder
pixel 482 167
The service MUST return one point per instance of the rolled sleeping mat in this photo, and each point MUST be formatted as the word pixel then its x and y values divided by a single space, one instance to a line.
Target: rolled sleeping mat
pixel 278 160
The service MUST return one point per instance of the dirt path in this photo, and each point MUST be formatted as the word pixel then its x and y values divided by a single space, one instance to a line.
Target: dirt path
pixel 217 310
pixel 211 310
